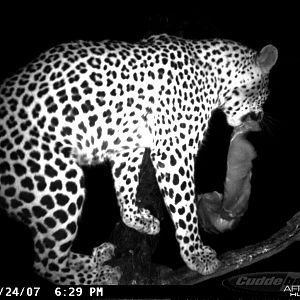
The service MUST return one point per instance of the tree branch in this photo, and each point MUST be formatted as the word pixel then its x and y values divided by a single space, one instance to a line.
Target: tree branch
pixel 237 259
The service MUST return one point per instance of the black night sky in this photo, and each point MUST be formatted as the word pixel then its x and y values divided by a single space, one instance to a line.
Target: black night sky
pixel 27 31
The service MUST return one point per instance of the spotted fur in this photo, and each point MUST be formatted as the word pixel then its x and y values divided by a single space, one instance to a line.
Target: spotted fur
pixel 83 102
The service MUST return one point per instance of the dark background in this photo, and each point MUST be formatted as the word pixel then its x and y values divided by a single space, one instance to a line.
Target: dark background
pixel 26 31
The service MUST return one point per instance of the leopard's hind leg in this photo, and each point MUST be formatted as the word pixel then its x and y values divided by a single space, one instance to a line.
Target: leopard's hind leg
pixel 100 255
pixel 59 195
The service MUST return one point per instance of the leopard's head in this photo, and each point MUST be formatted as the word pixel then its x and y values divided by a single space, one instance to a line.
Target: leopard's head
pixel 247 90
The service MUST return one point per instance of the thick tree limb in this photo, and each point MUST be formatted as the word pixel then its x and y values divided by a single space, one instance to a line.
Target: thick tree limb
pixel 237 259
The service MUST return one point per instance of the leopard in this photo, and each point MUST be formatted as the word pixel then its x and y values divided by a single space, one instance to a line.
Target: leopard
pixel 83 103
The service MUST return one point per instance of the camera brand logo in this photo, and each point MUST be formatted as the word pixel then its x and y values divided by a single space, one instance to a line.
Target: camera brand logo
pixel 267 282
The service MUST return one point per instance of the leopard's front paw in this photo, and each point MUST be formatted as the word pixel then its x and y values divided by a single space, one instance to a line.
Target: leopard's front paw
pixel 205 262
pixel 142 221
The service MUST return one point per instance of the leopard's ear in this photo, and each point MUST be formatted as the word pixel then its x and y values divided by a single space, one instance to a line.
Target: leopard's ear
pixel 267 58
